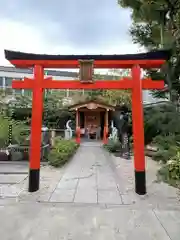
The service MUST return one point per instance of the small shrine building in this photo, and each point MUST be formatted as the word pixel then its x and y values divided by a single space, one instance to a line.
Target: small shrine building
pixel 91 116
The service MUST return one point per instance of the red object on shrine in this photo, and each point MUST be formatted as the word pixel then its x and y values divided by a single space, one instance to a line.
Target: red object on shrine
pixel 105 135
pixel 135 83
pixel 78 135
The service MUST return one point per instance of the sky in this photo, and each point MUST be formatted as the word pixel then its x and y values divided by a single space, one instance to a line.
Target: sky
pixel 65 27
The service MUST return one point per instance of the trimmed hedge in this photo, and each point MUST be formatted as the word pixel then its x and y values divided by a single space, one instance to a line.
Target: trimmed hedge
pixel 62 151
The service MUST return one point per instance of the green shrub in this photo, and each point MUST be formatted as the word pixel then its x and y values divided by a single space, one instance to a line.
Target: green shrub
pixel 149 132
pixel 113 146
pixel 170 172
pixel 167 147
pixel 161 120
pixel 62 151
pixel 163 155
pixel 131 143
pixel 165 142
pixel 174 167
pixel 17 129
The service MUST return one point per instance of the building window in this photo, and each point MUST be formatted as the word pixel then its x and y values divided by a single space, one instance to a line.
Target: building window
pixel 8 81
pixel 60 92
pixel 18 91
pixel 28 92
pixel 1 81
pixel 75 93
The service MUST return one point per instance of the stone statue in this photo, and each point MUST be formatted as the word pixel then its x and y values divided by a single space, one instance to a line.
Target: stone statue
pixel 68 130
pixel 114 132
pixel 121 120
pixel 124 118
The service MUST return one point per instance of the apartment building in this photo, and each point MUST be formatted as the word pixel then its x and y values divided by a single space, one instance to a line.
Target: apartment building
pixel 7 74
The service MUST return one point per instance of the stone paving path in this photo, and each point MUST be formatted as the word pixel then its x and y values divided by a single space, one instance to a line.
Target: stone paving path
pixel 93 176
pixel 92 197
pixel 88 179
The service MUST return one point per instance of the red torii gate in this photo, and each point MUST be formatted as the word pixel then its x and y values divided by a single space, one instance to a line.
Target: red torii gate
pixel 136 84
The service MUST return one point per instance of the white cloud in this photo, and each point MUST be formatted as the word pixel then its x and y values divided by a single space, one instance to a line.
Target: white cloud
pixel 19 36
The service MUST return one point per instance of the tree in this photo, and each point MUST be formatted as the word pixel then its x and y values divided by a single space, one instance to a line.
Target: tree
pixel 114 97
pixel 55 113
pixel 18 127
pixel 156 25
pixel 5 95
pixel 117 97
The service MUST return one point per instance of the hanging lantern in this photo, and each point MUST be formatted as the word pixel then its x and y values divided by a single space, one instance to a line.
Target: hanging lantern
pixel 86 71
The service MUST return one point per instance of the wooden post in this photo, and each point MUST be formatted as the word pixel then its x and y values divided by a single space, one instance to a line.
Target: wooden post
pixel 53 135
pixel 77 118
pixel 36 124
pixel 138 132
pixel 105 127
pixel 78 136
pixel 107 117
pixel 10 134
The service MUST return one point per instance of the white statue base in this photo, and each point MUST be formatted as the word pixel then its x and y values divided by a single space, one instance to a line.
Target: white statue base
pixel 68 134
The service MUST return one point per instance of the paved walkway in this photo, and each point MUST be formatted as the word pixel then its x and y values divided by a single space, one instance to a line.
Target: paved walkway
pixel 92 197
pixel 88 179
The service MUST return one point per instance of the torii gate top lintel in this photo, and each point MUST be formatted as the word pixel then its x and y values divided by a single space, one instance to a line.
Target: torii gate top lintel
pixel 153 59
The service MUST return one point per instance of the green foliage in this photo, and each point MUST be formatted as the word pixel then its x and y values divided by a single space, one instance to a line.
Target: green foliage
pixel 4 124
pixel 161 120
pixel 113 97
pixel 58 118
pixel 20 114
pixel 19 132
pixel 142 35
pixel 118 97
pixel 52 101
pixel 22 101
pixel 174 167
pixel 164 155
pixel 146 10
pixel 113 146
pixel 62 151
pixel 55 115
pixel 162 129
pixel 166 142
pixel 167 147
pixel 170 172
pixel 3 101
pixel 156 25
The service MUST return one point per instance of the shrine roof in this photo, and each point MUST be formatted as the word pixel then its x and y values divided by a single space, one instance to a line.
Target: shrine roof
pixel 99 104
pixel 153 55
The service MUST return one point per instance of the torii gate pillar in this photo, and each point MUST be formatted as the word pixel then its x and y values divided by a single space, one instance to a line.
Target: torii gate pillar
pixel 138 131
pixel 36 124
